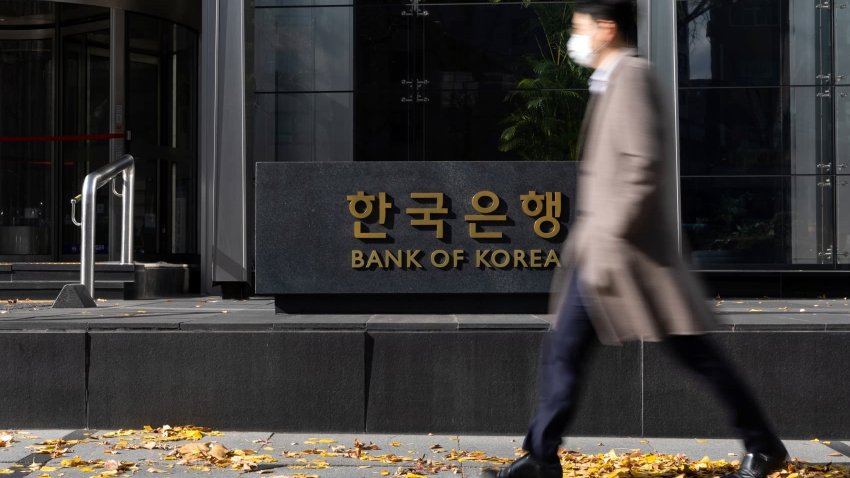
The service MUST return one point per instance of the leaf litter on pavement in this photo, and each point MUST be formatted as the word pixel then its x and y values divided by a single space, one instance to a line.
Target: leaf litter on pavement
pixel 200 451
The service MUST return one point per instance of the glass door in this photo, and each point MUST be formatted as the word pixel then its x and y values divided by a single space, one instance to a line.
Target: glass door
pixel 27 155
pixel 84 112
pixel 56 126
pixel 162 125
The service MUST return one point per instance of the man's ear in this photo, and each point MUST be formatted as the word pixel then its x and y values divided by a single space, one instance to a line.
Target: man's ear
pixel 608 31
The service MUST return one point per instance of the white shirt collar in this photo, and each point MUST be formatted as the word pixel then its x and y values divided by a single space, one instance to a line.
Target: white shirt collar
pixel 599 78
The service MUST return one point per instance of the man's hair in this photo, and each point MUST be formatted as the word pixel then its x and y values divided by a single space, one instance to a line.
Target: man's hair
pixel 621 12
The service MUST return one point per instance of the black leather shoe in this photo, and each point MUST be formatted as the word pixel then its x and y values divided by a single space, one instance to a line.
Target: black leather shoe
pixel 759 465
pixel 526 467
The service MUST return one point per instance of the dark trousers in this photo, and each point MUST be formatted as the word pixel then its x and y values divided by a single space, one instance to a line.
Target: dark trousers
pixel 564 350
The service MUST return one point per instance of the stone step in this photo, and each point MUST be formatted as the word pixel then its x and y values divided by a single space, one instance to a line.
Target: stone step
pixel 44 280
pixel 48 290
pixel 63 271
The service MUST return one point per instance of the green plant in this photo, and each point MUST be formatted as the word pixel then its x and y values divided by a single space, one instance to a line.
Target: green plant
pixel 546 122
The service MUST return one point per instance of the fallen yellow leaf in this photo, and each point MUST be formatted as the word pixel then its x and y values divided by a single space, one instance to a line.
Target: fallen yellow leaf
pixel 219 452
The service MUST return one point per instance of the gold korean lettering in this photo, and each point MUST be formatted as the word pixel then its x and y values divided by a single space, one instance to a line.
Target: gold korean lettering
pixel 548 207
pixel 361 206
pixel 485 214
pixel 427 213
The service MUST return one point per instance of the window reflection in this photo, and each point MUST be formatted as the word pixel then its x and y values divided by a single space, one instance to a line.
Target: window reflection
pixel 735 221
pixel 473 81
pixel 716 138
pixel 753 131
pixel 304 49
pixel 476 80
pixel 722 42
pixel 757 98
pixel 303 127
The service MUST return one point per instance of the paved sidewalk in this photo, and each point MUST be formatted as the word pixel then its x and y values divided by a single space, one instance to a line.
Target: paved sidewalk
pixel 324 455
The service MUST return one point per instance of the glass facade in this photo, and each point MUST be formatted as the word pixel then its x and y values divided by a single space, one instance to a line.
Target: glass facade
pixel 763 111
pixel 761 127
pixel 763 105
pixel 162 116
pixel 402 80
pixel 27 68
pixel 56 75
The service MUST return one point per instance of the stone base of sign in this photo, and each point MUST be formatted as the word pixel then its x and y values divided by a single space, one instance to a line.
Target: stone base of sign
pixel 412 303
pixel 238 365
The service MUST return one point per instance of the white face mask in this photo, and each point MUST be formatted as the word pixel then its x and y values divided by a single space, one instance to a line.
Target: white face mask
pixel 580 49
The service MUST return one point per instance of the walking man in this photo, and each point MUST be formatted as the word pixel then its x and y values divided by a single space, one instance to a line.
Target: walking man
pixel 624 278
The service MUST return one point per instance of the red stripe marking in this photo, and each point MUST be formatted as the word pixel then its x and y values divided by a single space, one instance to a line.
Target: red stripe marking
pixel 47 139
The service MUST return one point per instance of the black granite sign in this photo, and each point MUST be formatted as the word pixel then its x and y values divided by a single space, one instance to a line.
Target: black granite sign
pixel 411 227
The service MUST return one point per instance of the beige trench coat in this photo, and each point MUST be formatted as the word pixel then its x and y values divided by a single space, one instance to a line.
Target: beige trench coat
pixel 624 243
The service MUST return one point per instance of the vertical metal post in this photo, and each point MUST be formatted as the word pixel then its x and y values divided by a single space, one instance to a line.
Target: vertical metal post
pixel 230 248
pixel 663 42
pixel 207 144
pixel 87 246
pixel 129 176
pixel 117 49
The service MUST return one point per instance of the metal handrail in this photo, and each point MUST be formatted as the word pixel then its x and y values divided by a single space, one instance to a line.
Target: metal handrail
pixel 94 181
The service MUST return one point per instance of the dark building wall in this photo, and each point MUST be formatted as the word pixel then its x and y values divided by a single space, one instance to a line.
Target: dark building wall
pixel 381 81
